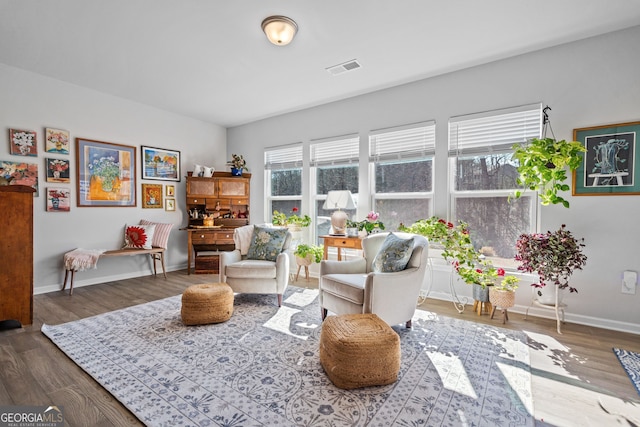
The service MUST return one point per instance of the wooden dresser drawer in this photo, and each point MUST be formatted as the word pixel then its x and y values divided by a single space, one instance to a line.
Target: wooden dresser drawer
pixel 224 238
pixel 347 243
pixel 203 238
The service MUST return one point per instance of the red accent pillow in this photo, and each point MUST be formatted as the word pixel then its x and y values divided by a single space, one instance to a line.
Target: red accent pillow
pixel 138 236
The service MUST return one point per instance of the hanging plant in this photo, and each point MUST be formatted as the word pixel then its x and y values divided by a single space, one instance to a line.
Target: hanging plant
pixel 542 167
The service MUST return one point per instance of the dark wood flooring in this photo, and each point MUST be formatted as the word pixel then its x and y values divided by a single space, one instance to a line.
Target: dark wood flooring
pixel 576 378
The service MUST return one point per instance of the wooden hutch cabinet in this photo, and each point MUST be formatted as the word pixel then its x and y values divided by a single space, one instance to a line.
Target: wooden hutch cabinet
pixel 222 199
pixel 16 253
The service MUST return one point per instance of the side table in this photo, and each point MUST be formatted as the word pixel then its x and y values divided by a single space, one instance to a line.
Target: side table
pixel 340 242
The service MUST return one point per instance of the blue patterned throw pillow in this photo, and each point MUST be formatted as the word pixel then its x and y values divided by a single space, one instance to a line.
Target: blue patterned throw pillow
pixel 266 243
pixel 394 254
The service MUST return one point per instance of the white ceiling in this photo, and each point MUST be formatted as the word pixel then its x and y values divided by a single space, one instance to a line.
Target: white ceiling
pixel 209 59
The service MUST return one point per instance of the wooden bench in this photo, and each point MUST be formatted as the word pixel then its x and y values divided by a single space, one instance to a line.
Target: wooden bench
pixel 155 253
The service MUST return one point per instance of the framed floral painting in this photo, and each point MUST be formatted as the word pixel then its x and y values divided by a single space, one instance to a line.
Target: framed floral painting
pixel 170 205
pixel 56 141
pixel 20 173
pixel 106 174
pixel 152 196
pixel 23 142
pixel 170 190
pixel 58 199
pixel 160 164
pixel 57 170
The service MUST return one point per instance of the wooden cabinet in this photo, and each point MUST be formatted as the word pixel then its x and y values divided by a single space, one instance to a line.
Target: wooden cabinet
pixel 16 253
pixel 226 198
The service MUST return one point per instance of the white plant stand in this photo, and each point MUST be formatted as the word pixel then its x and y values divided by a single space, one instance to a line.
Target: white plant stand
pixel 557 306
pixel 458 303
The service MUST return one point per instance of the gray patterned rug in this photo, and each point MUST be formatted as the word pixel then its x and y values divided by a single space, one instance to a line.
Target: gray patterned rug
pixel 261 368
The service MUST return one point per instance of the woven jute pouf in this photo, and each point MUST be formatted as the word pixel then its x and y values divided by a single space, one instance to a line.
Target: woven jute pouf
pixel 207 303
pixel 359 350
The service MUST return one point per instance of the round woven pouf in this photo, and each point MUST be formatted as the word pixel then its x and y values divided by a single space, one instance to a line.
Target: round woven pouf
pixel 359 350
pixel 207 303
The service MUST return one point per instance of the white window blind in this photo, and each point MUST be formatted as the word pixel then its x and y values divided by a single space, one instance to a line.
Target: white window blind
pixel 284 157
pixel 344 150
pixel 494 131
pixel 407 142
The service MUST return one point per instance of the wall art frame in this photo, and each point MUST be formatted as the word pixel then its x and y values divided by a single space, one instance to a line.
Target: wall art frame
pixel 160 164
pixel 170 190
pixel 56 141
pixel 57 170
pixel 20 173
pixel 58 199
pixel 106 174
pixel 611 164
pixel 170 205
pixel 152 196
pixel 23 142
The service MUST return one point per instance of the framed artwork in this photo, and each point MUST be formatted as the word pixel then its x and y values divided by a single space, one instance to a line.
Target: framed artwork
pixel 610 165
pixel 22 142
pixel 57 170
pixel 56 141
pixel 20 173
pixel 58 199
pixel 106 174
pixel 152 195
pixel 160 164
pixel 170 190
pixel 170 205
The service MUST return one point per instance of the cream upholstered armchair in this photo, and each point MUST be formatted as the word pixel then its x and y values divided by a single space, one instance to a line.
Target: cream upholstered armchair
pixel 258 275
pixel 348 287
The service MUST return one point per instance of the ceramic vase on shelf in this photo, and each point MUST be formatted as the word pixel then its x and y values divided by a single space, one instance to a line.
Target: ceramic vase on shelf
pixel 236 171
pixel 547 294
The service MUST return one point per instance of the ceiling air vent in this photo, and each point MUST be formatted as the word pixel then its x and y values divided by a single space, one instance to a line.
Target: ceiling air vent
pixel 344 67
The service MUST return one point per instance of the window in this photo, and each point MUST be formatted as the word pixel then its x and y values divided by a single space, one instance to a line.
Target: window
pixel 283 170
pixel 483 176
pixel 401 170
pixel 334 166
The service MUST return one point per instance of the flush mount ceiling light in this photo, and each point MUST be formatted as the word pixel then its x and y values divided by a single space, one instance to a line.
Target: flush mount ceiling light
pixel 280 30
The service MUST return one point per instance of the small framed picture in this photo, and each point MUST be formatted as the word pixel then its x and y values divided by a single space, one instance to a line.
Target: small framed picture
pixel 170 190
pixel 160 164
pixel 58 199
pixel 611 164
pixel 22 142
pixel 57 170
pixel 56 141
pixel 170 205
pixel 152 196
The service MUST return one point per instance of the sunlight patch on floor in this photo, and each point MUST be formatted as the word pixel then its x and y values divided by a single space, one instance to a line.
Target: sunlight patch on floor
pixel 515 376
pixel 282 320
pixel 549 355
pixel 302 299
pixel 452 374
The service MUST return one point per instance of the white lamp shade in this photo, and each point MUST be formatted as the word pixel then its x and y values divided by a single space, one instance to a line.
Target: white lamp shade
pixel 280 30
pixel 339 199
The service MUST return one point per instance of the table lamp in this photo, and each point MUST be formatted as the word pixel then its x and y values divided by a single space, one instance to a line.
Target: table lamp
pixel 339 199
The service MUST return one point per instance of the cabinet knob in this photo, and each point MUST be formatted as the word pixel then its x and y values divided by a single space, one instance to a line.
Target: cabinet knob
pixel 202 236
pixel 195 200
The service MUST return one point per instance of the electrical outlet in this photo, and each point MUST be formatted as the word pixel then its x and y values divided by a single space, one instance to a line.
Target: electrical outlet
pixel 629 279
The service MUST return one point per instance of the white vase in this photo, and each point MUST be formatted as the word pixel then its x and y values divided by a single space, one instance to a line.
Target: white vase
pixel 547 295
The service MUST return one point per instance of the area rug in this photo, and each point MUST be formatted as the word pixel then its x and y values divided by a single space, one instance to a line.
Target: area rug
pixel 261 368
pixel 630 361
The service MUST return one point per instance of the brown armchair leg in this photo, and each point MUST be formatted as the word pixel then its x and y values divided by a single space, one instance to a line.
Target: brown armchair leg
pixel 408 324
pixel 323 313
pixel 279 300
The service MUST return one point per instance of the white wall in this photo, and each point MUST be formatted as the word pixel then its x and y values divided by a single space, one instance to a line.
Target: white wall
pixel 33 102
pixel 587 83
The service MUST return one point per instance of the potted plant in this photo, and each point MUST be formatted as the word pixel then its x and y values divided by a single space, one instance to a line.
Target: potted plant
pixel 238 164
pixel 542 163
pixel 368 225
pixel 553 256
pixel 306 255
pixel 293 221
